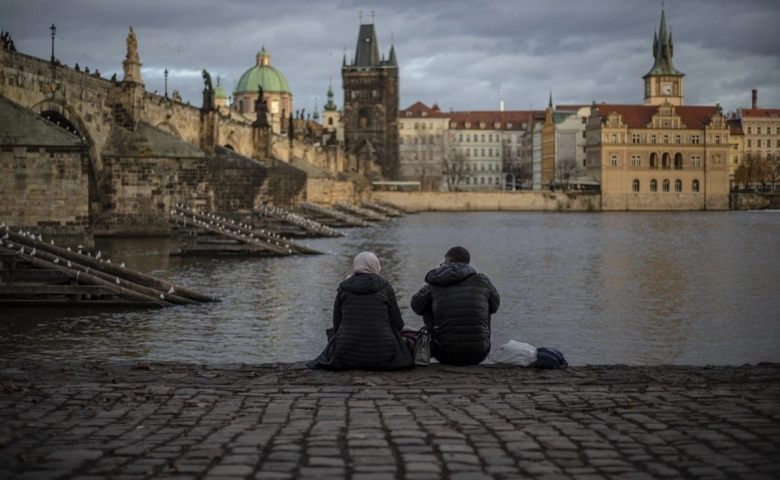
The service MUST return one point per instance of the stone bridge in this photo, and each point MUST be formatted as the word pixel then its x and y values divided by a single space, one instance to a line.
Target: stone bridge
pixel 147 152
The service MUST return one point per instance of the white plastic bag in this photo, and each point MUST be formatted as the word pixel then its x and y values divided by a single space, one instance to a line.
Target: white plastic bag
pixel 515 353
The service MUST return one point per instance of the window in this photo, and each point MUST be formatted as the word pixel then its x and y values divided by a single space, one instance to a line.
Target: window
pixel 614 160
pixel 483 135
pixel 460 137
pixel 482 152
pixel 653 185
pixel 758 130
pixel 695 160
pixel 666 185
pixel 490 181
pixel 695 186
pixel 401 140
pixel 695 139
pixel 635 138
pixel 736 147
pixel 635 185
pixel 614 138
pixel 678 139
pixel 482 180
pixel 678 185
pixel 416 125
pixel 750 143
pixel 717 139
pixel 475 137
pixel 652 139
pixel 666 138
pixel 758 143
pixel 330 122
pixel 750 130
pixel 736 159
pixel 468 152
pixel 636 160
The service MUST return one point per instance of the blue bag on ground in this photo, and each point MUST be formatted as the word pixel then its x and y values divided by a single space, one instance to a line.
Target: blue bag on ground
pixel 550 358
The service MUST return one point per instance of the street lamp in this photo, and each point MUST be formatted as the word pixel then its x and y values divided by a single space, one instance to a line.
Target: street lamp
pixel 166 82
pixel 53 32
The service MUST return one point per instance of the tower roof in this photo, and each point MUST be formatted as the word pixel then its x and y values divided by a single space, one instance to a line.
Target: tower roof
pixel 663 51
pixel 367 50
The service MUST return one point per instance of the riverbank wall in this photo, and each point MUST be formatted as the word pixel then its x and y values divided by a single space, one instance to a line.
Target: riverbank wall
pixel 493 201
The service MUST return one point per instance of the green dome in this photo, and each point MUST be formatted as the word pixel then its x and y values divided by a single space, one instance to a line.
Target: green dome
pixel 219 92
pixel 262 75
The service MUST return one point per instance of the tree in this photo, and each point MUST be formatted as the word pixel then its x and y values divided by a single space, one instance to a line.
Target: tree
pixel 564 170
pixel 454 169
pixel 773 170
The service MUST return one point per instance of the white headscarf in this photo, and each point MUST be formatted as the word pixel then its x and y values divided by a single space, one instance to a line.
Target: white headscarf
pixel 365 262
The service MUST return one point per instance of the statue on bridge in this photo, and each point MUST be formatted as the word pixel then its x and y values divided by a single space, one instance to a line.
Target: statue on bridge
pixel 7 42
pixel 132 46
pixel 207 80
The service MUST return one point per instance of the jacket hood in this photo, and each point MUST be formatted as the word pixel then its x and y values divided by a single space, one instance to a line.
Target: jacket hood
pixel 449 273
pixel 363 283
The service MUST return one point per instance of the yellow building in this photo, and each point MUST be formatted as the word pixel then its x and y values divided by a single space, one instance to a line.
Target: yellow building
pixel 736 148
pixel 661 155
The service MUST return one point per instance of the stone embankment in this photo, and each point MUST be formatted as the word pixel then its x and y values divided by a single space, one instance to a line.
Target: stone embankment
pixel 142 420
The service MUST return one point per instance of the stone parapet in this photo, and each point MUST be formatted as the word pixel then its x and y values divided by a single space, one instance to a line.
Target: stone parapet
pixel 492 201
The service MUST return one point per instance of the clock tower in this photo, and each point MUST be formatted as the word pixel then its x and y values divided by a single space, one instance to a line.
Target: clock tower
pixel 663 83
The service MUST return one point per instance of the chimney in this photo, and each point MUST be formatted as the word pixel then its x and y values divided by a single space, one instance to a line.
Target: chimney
pixel 755 99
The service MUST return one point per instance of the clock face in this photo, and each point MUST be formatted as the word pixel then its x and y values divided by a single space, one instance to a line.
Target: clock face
pixel 666 89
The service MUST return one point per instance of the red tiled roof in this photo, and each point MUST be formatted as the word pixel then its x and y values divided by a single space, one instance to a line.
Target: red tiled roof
pixel 490 117
pixel 735 127
pixel 639 116
pixel 417 109
pixel 760 112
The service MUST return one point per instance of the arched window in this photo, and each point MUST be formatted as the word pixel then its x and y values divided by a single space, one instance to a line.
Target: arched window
pixel 330 121
pixel 636 185
pixel 678 160
pixel 666 160
pixel 654 185
pixel 653 160
pixel 363 118
pixel 678 185
pixel 695 186
pixel 666 185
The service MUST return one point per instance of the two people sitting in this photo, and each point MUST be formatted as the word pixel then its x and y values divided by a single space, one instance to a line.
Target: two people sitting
pixel 456 305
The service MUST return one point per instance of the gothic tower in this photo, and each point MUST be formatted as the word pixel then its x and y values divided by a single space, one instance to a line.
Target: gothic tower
pixel 371 103
pixel 663 83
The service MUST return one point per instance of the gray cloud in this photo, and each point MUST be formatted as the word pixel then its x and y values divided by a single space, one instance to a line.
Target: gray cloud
pixel 458 53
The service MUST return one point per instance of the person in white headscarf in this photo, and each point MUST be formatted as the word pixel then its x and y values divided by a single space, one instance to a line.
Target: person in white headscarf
pixel 366 323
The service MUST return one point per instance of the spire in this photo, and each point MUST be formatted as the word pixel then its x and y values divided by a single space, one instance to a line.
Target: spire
pixel 663 50
pixel 330 106
pixel 393 61
pixel 550 104
pixel 316 114
pixel 501 100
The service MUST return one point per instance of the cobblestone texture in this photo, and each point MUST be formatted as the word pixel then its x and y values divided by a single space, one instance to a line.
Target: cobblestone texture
pixel 167 420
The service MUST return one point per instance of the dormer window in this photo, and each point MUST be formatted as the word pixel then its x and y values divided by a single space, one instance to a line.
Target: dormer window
pixel 481 124
pixel 424 114
pixel 468 124
pixel 497 125
pixel 508 125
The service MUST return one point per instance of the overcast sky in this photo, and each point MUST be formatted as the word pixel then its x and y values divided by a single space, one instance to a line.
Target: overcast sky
pixel 457 53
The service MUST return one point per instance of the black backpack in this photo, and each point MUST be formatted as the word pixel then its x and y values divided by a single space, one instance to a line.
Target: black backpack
pixel 550 358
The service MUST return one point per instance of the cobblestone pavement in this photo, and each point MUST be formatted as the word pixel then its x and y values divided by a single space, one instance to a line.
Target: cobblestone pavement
pixel 170 420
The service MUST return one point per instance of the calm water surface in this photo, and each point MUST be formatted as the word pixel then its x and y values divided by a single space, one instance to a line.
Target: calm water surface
pixel 692 288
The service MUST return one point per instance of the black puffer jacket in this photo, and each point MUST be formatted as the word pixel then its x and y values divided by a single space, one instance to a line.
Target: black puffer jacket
pixel 366 324
pixel 460 301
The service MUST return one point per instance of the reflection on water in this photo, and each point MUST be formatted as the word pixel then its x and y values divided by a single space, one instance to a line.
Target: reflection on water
pixel 640 288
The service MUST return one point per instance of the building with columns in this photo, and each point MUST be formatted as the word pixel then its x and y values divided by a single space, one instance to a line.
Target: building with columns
pixel 662 155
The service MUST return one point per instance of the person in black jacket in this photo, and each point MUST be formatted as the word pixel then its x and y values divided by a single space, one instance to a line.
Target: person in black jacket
pixel 456 304
pixel 366 323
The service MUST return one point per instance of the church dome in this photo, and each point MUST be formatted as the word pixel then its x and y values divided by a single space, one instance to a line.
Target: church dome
pixel 263 75
pixel 219 92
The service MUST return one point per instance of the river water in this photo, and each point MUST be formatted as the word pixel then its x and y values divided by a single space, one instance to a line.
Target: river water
pixel 692 288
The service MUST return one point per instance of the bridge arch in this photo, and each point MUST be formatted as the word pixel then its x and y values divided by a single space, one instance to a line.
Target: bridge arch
pixel 71 121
